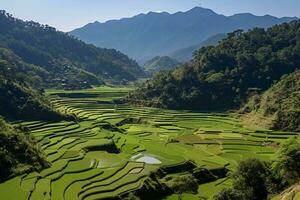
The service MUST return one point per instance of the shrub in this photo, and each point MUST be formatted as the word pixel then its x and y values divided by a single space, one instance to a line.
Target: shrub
pixel 250 182
pixel 183 184
pixel 251 177
pixel 229 194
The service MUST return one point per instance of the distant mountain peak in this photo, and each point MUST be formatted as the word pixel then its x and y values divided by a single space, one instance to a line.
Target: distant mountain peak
pixel 95 23
pixel 159 33
pixel 199 9
pixel 157 13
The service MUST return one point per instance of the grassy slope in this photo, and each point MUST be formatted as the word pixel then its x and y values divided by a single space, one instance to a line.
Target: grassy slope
pixel 280 105
pixel 292 193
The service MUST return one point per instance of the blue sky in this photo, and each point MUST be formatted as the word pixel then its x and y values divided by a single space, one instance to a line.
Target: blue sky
pixel 69 14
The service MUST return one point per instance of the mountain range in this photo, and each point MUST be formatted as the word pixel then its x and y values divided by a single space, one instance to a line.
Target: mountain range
pixel 147 35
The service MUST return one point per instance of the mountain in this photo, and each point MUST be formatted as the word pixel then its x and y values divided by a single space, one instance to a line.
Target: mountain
pixel 160 63
pixel 147 35
pixel 280 104
pixel 186 54
pixel 242 64
pixel 63 60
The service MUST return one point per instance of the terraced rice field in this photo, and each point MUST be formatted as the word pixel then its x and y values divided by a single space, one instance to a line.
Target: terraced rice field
pixel 112 149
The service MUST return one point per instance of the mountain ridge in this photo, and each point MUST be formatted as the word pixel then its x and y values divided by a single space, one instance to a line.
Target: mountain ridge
pixel 145 36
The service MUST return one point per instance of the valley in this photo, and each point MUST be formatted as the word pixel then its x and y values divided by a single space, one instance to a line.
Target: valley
pixel 184 104
pixel 113 149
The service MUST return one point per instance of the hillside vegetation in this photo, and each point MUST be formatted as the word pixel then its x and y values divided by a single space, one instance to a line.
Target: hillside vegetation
pixel 260 180
pixel 18 152
pixel 22 71
pixel 68 62
pixel 281 103
pixel 19 101
pixel 223 77
pixel 160 63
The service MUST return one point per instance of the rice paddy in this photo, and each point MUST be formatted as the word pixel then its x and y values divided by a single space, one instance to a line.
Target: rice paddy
pixel 112 149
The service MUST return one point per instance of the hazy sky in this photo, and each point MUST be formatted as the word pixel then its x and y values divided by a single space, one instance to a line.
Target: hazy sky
pixel 69 14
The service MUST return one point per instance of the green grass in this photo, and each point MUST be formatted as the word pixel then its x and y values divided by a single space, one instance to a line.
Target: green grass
pixel 210 189
pixel 211 140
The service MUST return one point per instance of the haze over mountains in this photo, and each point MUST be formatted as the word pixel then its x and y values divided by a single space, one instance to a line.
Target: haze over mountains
pixel 160 63
pixel 186 54
pixel 147 35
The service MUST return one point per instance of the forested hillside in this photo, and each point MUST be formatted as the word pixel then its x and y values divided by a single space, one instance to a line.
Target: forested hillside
pixel 223 77
pixel 66 62
pixel 280 103
pixel 19 101
pixel 18 152
pixel 160 63
pixel 13 65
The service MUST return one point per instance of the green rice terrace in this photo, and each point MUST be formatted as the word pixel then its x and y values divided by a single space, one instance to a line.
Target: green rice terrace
pixel 115 149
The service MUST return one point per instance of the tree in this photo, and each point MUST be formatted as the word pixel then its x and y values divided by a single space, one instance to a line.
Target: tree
pixel 251 178
pixel 183 184
pixel 287 163
pixel 226 72
pixel 229 194
pixel 6 164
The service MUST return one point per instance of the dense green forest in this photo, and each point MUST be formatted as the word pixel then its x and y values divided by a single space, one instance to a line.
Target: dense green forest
pixel 19 153
pixel 280 103
pixel 68 62
pixel 19 101
pixel 223 77
pixel 22 71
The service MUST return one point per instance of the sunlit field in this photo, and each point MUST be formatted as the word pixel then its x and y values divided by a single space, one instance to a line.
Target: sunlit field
pixel 113 149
